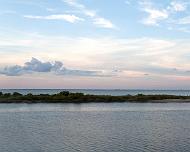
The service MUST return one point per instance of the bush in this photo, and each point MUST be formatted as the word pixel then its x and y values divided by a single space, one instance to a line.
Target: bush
pixel 7 95
pixel 17 94
pixel 29 94
pixel 1 93
pixel 64 93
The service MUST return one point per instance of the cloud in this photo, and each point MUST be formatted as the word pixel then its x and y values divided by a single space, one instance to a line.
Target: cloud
pixel 127 2
pixel 8 12
pixel 102 54
pixel 164 13
pixel 177 6
pixel 180 29
pixel 36 65
pixel 66 17
pixel 97 20
pixel 102 22
pixel 185 20
pixel 81 7
pixel 154 15
pixel 50 9
pixel 165 70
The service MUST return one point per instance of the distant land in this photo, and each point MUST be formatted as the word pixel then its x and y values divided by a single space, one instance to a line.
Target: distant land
pixel 68 97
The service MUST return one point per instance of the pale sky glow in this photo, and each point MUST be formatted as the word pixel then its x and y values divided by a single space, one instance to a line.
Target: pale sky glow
pixel 110 44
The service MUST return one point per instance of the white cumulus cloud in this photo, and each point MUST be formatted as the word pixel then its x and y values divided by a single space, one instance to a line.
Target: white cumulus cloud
pixel 36 65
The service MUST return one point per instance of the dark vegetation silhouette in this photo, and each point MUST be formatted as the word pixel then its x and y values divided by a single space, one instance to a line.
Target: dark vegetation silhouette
pixel 68 97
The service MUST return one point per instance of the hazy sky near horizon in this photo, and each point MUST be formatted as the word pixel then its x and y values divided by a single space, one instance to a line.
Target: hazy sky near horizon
pixel 123 44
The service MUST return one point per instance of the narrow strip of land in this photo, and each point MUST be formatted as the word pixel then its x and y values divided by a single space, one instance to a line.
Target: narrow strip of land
pixel 68 97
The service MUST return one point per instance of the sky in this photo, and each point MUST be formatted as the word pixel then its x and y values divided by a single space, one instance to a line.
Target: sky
pixel 95 44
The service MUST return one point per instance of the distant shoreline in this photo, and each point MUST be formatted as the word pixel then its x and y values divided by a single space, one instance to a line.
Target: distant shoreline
pixel 112 92
pixel 68 97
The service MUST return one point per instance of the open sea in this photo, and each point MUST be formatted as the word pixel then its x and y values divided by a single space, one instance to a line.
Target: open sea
pixel 96 127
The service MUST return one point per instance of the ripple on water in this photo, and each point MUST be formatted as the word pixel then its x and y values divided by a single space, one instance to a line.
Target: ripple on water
pixel 53 130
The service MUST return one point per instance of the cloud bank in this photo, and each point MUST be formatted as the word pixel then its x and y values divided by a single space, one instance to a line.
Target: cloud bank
pixel 36 65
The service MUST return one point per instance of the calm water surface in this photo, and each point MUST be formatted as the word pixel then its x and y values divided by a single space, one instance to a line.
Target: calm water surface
pixel 118 127
pixel 98 91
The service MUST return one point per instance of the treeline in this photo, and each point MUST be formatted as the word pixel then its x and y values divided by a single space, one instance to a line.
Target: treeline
pixel 68 97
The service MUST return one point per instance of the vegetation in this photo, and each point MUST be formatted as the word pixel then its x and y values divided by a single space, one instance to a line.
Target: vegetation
pixel 67 97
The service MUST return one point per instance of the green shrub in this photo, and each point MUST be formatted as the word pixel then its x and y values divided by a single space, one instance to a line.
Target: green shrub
pixel 29 94
pixel 64 93
pixel 7 95
pixel 17 94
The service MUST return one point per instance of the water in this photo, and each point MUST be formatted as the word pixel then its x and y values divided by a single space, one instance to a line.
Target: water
pixel 99 92
pixel 95 127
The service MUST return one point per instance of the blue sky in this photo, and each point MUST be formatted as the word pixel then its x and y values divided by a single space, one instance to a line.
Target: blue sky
pixel 95 44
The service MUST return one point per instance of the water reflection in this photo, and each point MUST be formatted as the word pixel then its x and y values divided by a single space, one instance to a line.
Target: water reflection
pixel 90 107
pixel 117 127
